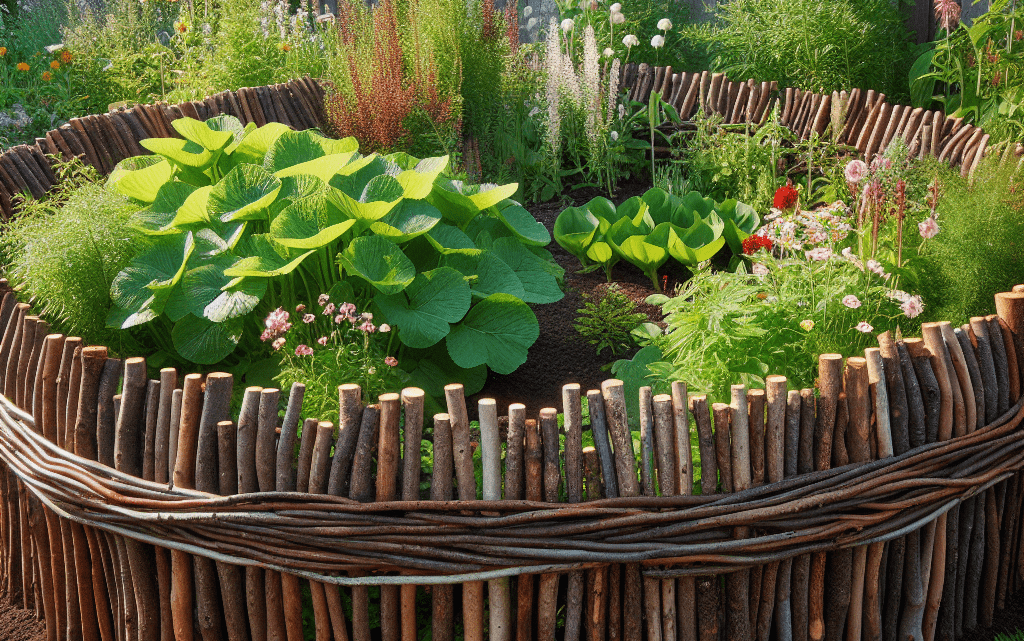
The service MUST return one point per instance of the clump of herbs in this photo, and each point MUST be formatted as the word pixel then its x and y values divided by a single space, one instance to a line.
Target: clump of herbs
pixel 608 320
pixel 62 252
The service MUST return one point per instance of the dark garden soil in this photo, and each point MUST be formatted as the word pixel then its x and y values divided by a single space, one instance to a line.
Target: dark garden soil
pixel 19 625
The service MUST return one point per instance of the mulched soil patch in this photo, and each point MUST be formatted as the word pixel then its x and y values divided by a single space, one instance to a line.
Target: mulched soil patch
pixel 19 625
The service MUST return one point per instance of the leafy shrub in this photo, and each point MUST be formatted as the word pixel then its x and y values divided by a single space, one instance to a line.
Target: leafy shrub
pixel 820 46
pixel 258 218
pixel 65 251
pixel 980 249
pixel 607 323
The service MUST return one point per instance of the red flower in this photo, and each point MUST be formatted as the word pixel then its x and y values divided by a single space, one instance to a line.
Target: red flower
pixel 751 244
pixel 786 197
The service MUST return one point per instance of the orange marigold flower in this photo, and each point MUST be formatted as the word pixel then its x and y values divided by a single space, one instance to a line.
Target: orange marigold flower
pixel 55 65
pixel 181 26
pixel 23 66
pixel 3 51
pixel 66 57
pixel 47 76
pixel 285 47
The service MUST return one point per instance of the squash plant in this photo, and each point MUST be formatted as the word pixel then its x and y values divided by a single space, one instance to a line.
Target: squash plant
pixel 647 230
pixel 250 219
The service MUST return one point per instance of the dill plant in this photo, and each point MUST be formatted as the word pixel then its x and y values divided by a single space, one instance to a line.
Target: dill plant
pixel 63 252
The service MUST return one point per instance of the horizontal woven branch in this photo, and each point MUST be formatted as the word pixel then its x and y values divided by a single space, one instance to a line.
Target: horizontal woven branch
pixel 320 536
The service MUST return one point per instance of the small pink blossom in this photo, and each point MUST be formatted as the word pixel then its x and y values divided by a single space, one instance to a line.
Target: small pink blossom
pixel 807 324
pixel 329 309
pixel 266 335
pixel 819 253
pixel 384 328
pixel 368 327
pixel 276 323
pixel 851 301
pixel 928 228
pixel 308 318
pixel 759 269
pixel 912 307
pixel 876 267
pixel 338 319
pixel 300 308
pixel 347 308
pixel 322 340
pixel 278 343
pixel 323 299
pixel 864 327
pixel 855 171
pixel 850 256
pixel 303 350
pixel 391 361
pixel 366 316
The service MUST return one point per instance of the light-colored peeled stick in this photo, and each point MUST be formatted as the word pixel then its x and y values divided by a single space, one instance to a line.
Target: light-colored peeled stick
pixel 647 462
pixel 897 116
pixel 878 129
pixel 442 623
pixel 864 133
pixel 821 118
pixel 490 445
pixel 686 616
pixel 1010 308
pixel 937 125
pixel 960 152
pixel 388 462
pixel 714 91
pixel 963 379
pixel 691 97
pixel 859 403
pixel 978 155
pixel 667 467
pixel 184 477
pixel 960 134
pixel 853 110
pixel 412 405
pixel 572 408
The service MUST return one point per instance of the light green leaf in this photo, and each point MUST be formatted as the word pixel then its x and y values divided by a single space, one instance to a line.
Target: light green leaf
pixel 575 229
pixel 379 262
pixel 324 167
pixel 140 177
pixel 538 283
pixel 183 153
pixel 445 237
pixel 418 181
pixel 243 194
pixel 408 220
pixel 204 342
pixel 157 219
pixel 141 289
pixel 309 223
pixel 487 273
pixel 201 134
pixel 253 148
pixel 497 331
pixel 262 261
pixel 423 312
pixel 522 223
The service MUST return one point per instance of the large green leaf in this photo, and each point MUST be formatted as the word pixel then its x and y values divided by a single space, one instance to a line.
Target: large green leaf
pixel 201 134
pixel 418 181
pixel 208 292
pixel 182 153
pixel 522 223
pixel 423 312
pixel 431 369
pixel 158 218
pixel 323 167
pixel 244 194
pixel 409 219
pixel 262 260
pixel 194 212
pixel 204 342
pixel 309 223
pixel 648 256
pixel 460 203
pixel 254 146
pixel 487 273
pixel 445 237
pixel 140 177
pixel 741 220
pixel 575 229
pixel 538 283
pixel 380 195
pixel 379 262
pixel 661 205
pixel 141 289
pixel 498 332
pixel 691 246
pixel 298 147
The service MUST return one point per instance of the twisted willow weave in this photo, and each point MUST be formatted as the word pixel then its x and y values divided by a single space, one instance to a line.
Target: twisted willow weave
pixel 437 542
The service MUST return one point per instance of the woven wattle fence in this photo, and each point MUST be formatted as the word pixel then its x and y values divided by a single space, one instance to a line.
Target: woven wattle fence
pixel 870 123
pixel 885 504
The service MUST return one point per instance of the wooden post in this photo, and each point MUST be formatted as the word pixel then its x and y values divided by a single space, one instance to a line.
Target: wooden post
pixel 443 616
pixel 708 590
pixel 572 408
pixel 412 403
pixel 248 426
pixel 271 609
pixel 534 486
pixel 737 584
pixel 388 455
pixel 361 489
pixel 490 443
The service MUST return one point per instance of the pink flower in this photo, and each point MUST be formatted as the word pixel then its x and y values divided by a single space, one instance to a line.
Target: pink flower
pixel 759 269
pixel 323 299
pixel 819 253
pixel 276 323
pixel 391 361
pixel 278 344
pixel 947 13
pixel 863 326
pixel 308 318
pixel 850 256
pixel 876 267
pixel 266 335
pixel 368 327
pixel 329 309
pixel 928 228
pixel 300 308
pixel 322 340
pixel 338 319
pixel 303 350
pixel 807 324
pixel 912 307
pixel 851 301
pixel 384 328
pixel 855 171
pixel 347 308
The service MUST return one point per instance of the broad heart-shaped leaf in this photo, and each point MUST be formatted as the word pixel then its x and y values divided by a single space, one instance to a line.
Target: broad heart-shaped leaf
pixel 292 148
pixel 539 285
pixel 445 237
pixel 522 223
pixel 690 246
pixel 423 312
pixel 694 201
pixel 324 167
pixel 604 211
pixel 204 342
pixel 140 177
pixel 496 332
pixel 194 212
pixel 309 223
pixel 487 273
pixel 575 229
pixel 141 289
pixel 662 205
pixel 741 220
pixel 644 254
pixel 602 253
pixel 262 260
pixel 206 291
pixel 458 209
pixel 230 124
pixel 201 134
pixel 254 146
pixel 243 194
pixel 380 195
pixel 379 262
pixel 157 219
pixel 409 219
pixel 621 231
pixel 418 180
pixel 433 369
pixel 485 229
pixel 355 176
pixel 182 153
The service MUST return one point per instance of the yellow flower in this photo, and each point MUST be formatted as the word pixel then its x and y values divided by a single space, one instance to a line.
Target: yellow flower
pixel 807 325
pixel 55 65
pixel 47 76
pixel 3 51
pixel 23 66
pixel 66 57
